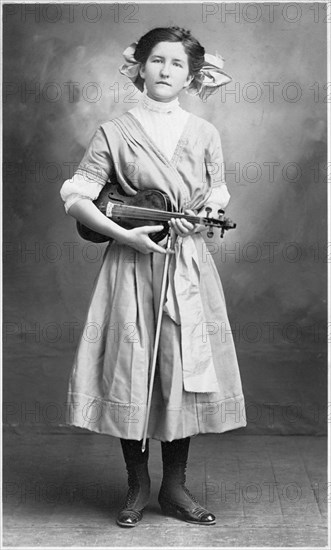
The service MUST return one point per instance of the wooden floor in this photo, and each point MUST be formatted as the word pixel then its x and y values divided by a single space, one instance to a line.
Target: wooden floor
pixel 65 489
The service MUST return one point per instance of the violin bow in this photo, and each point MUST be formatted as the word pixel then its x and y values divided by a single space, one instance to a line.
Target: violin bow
pixel 157 338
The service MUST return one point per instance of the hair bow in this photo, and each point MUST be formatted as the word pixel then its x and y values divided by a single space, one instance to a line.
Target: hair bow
pixel 210 77
pixel 131 67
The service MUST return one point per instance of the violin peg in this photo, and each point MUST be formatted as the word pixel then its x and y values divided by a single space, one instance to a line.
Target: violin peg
pixel 208 210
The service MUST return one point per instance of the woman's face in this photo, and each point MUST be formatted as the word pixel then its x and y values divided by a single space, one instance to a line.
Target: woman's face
pixel 166 71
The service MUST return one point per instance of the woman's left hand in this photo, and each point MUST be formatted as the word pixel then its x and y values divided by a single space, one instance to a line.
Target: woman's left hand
pixel 183 228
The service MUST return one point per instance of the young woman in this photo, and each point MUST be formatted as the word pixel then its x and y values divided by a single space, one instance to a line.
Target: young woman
pixel 197 387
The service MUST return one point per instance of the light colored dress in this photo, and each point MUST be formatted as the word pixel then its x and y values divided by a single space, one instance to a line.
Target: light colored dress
pixel 197 386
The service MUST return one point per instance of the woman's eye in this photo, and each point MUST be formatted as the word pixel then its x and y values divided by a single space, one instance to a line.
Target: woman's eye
pixel 177 64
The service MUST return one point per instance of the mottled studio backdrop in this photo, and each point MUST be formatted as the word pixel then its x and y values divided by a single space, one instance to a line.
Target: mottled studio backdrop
pixel 61 81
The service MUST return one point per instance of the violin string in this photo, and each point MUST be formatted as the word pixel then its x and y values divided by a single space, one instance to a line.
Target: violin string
pixel 158 215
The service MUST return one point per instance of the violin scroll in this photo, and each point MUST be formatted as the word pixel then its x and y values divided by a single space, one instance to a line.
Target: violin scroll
pixel 225 223
pixel 228 224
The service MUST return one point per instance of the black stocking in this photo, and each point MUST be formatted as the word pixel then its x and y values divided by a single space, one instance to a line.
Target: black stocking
pixel 175 451
pixel 132 451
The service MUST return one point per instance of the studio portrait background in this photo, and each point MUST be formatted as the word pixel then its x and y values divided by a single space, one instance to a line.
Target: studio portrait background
pixel 61 81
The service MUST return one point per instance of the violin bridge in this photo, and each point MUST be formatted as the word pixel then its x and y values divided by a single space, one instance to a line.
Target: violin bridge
pixel 109 209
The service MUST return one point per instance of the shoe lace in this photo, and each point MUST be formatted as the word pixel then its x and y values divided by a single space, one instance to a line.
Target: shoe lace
pixel 189 494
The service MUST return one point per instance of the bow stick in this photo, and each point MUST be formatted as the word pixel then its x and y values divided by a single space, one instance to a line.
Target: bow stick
pixel 157 339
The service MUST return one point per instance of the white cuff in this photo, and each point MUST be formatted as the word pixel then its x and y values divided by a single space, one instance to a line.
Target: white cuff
pixel 219 197
pixel 71 199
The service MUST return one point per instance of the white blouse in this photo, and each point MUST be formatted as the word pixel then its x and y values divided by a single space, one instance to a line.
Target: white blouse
pixel 164 124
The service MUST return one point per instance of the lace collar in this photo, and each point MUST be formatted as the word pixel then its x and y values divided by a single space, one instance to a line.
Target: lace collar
pixel 159 106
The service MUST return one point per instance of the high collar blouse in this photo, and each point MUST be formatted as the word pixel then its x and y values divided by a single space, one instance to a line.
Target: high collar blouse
pixel 163 122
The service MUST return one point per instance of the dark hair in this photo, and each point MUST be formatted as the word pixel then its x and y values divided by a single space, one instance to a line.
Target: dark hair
pixel 195 52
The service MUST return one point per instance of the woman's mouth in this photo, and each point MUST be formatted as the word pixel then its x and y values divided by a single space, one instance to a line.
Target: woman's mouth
pixel 166 83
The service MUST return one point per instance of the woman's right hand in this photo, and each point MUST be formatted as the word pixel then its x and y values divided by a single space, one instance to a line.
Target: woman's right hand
pixel 88 214
pixel 138 238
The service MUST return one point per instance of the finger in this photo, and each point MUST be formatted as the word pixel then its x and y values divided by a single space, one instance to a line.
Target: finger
pixel 153 228
pixel 199 228
pixel 156 248
pixel 175 226
pixel 177 222
pixel 187 224
pixel 192 213
pixel 178 228
pixel 184 225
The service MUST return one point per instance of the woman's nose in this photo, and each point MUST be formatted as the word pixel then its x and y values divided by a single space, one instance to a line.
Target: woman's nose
pixel 165 69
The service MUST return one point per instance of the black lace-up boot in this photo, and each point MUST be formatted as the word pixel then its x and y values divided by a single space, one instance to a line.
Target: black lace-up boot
pixel 174 497
pixel 138 481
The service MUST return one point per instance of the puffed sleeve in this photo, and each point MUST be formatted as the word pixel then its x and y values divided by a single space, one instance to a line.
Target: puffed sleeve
pixel 219 195
pixel 92 173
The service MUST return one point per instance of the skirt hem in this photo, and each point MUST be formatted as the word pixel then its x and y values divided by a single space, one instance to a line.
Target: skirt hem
pixel 126 421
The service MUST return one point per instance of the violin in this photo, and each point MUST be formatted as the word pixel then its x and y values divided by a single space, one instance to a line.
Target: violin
pixel 147 207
